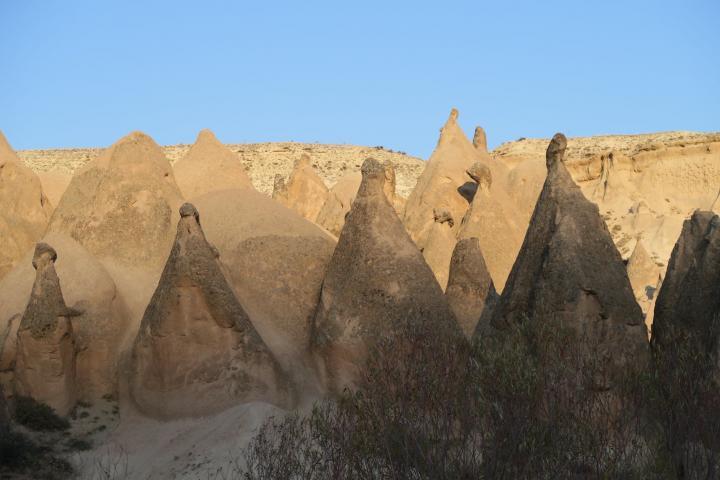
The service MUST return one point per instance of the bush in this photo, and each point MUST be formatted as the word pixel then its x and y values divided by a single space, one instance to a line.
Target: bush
pixel 533 402
pixel 20 457
pixel 38 416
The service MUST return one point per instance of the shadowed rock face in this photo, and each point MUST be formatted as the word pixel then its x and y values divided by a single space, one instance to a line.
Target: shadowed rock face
pixel 209 166
pixel 376 283
pixel 304 192
pixel 470 291
pixel 197 351
pixel 45 361
pixel 689 299
pixel 25 208
pixel 569 273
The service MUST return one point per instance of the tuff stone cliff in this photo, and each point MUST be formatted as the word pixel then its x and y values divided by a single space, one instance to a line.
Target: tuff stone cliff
pixel 668 175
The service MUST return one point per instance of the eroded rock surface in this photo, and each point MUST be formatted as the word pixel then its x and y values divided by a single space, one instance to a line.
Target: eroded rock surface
pixel 376 284
pixel 197 352
pixel 470 291
pixel 209 166
pixel 304 192
pixel 689 300
pixel 45 363
pixel 569 274
pixel 25 208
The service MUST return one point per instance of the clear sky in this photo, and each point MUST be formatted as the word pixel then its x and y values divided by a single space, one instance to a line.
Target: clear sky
pixel 86 72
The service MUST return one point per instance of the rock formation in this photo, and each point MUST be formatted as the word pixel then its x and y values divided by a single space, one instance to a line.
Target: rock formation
pixel 493 220
pixel 25 208
pixel 304 192
pixel 444 185
pixel 376 284
pixel 54 183
pixel 45 358
pixel 569 273
pixel 437 250
pixel 480 139
pixel 670 174
pixel 121 204
pixel 341 195
pixel 336 207
pixel 197 351
pixel 122 207
pixel 208 166
pixel 102 332
pixel 644 275
pixel 276 261
pixel 470 291
pixel 689 300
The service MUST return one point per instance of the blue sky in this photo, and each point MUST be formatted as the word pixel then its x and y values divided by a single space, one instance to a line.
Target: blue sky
pixel 84 73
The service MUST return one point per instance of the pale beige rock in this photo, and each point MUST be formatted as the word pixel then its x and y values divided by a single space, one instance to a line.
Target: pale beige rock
pixel 670 173
pixel 445 185
pixel 644 275
pixel 45 356
pixel 337 205
pixel 342 194
pixel 276 262
pixel 304 192
pixel 102 331
pixel 493 219
pixel 470 291
pixel 376 285
pixel 209 166
pixel 197 352
pixel 122 205
pixel 54 183
pixel 25 208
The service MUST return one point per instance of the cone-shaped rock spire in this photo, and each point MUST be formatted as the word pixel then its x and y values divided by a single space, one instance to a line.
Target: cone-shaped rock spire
pixel 304 192
pixel 46 353
pixel 443 185
pixel 101 332
pixel 492 218
pixel 377 282
pixel 689 300
pixel 25 208
pixel 569 273
pixel 197 351
pixel 470 291
pixel 209 166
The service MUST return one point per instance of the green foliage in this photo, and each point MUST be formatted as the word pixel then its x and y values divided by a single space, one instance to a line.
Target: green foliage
pixel 38 416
